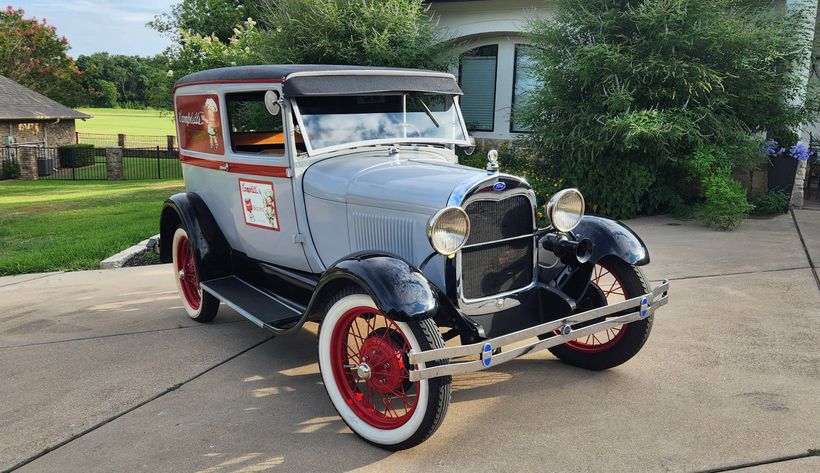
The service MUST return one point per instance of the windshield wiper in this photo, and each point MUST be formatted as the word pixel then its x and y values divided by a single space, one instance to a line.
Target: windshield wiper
pixel 428 112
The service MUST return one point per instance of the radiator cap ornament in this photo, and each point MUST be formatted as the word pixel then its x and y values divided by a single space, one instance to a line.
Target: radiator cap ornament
pixel 492 161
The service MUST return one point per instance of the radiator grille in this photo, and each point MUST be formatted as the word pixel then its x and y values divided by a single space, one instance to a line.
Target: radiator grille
pixel 497 267
pixel 492 220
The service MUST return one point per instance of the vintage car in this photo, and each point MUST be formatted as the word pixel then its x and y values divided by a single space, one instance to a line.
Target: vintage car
pixel 333 194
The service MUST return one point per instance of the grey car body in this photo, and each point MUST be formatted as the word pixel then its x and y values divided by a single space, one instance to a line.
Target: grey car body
pixel 305 184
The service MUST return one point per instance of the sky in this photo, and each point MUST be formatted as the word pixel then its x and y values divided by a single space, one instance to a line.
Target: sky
pixel 116 26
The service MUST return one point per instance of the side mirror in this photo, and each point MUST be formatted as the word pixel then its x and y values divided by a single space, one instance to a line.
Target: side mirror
pixel 469 150
pixel 272 102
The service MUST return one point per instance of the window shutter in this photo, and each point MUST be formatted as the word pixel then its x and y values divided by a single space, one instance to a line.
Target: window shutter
pixel 478 84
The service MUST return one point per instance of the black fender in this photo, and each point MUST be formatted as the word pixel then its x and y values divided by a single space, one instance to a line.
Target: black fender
pixel 399 289
pixel 612 238
pixel 211 250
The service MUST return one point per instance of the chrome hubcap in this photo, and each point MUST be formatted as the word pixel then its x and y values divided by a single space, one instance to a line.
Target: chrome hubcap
pixel 363 371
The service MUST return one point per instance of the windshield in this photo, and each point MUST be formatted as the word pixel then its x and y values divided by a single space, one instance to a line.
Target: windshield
pixel 329 122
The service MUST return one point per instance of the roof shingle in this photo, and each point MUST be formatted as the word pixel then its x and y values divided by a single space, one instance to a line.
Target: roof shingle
pixel 21 103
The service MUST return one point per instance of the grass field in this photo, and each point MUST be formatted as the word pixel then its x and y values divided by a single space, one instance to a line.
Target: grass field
pixel 128 122
pixel 64 225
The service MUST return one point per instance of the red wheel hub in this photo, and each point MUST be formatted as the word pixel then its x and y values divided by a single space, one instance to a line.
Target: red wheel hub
pixel 368 353
pixel 187 274
pixel 384 359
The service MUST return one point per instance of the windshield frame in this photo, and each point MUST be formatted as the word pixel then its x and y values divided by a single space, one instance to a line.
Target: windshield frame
pixel 384 141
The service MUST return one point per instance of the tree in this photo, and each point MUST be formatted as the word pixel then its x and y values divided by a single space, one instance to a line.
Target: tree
pixel 33 55
pixel 395 33
pixel 651 105
pixel 206 18
pixel 121 81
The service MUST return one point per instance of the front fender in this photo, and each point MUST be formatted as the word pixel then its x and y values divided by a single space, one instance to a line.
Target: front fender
pixel 400 290
pixel 211 250
pixel 612 238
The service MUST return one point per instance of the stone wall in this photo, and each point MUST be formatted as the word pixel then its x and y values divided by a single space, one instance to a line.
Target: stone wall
pixel 49 132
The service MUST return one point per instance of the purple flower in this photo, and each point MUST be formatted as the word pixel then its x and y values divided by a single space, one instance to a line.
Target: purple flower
pixel 799 152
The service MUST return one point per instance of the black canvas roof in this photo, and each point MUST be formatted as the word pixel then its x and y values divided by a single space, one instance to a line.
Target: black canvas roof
pixel 311 79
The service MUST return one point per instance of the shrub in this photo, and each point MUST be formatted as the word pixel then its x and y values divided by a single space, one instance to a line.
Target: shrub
pixel 395 33
pixel 770 203
pixel 75 156
pixel 631 92
pixel 10 169
pixel 725 204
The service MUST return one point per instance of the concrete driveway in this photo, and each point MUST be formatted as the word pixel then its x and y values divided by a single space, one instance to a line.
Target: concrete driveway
pixel 103 371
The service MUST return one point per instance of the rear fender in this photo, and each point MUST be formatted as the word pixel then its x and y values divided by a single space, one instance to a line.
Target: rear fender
pixel 211 250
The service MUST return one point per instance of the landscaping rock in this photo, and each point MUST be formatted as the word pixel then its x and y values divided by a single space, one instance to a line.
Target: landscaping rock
pixel 136 255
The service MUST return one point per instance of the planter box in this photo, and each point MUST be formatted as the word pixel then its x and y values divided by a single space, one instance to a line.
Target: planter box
pixel 781 174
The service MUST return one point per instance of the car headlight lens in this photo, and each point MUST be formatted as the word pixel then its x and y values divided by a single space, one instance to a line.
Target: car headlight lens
pixel 566 209
pixel 448 230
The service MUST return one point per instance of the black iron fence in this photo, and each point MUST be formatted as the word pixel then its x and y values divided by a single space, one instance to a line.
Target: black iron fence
pixel 121 140
pixel 91 164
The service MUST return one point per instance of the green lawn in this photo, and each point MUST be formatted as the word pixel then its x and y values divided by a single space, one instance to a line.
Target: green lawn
pixel 64 225
pixel 126 121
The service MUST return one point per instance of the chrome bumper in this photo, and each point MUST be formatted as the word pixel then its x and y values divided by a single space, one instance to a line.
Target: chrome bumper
pixel 625 312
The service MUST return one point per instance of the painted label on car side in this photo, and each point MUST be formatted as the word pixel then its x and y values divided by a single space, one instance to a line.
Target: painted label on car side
pixel 199 122
pixel 259 204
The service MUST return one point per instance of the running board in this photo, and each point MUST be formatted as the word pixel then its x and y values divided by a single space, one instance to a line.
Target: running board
pixel 257 305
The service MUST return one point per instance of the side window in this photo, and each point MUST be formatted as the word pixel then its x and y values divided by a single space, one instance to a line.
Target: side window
pixel 524 81
pixel 253 129
pixel 477 74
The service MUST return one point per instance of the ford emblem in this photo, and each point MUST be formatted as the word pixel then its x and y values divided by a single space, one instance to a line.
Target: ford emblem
pixel 499 186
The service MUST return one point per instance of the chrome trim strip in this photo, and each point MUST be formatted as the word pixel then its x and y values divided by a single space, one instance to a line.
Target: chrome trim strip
pixel 503 240
pixel 371 72
pixel 640 308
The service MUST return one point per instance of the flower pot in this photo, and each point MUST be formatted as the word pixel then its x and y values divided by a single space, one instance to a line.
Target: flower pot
pixel 781 174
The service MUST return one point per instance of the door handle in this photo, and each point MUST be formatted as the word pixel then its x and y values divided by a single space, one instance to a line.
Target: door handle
pixel 224 167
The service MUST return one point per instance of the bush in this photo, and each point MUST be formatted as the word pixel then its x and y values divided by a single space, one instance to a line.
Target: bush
pixel 725 204
pixel 771 203
pixel 10 169
pixel 75 156
pixel 631 92
pixel 395 33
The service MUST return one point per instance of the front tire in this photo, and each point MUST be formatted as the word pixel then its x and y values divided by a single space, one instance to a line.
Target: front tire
pixel 363 361
pixel 199 305
pixel 613 280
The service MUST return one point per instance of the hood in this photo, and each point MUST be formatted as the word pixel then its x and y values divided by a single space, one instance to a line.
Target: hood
pixel 416 181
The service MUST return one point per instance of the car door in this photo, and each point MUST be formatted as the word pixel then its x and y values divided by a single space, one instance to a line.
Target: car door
pixel 259 179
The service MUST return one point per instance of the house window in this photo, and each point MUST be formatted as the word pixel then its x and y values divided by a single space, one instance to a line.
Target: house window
pixel 524 81
pixel 477 73
pixel 253 129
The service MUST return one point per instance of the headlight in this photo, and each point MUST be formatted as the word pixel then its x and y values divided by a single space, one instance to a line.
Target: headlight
pixel 565 209
pixel 448 230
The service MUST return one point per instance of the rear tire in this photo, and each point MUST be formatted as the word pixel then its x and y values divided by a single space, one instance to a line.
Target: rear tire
pixel 363 361
pixel 612 347
pixel 199 305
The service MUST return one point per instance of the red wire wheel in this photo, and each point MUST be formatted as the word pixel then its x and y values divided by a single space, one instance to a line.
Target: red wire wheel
pixel 186 268
pixel 612 290
pixel 369 363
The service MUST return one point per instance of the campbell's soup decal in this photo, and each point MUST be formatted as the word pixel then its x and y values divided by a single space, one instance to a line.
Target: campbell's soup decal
pixel 259 204
pixel 199 121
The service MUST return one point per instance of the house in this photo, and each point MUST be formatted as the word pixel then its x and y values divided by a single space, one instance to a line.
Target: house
pixel 30 118
pixel 493 47
pixel 492 70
